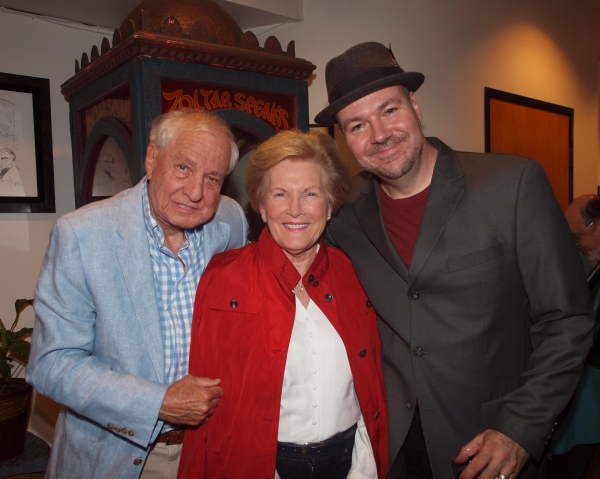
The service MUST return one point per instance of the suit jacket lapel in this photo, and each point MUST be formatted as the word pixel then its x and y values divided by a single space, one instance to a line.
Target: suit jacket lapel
pixel 215 237
pixel 133 252
pixel 447 187
pixel 368 214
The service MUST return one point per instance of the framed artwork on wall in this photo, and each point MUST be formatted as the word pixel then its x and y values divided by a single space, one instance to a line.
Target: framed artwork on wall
pixel 536 129
pixel 26 163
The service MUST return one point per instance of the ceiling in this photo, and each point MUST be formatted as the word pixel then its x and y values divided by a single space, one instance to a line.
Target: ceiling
pixel 110 13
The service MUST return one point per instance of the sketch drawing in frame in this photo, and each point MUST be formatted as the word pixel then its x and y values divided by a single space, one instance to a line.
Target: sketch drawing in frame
pixel 26 166
pixel 111 175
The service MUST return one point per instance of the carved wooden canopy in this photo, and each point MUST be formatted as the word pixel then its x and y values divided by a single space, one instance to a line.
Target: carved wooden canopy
pixel 196 31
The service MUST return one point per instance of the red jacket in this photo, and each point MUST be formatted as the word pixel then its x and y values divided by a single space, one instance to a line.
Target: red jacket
pixel 243 320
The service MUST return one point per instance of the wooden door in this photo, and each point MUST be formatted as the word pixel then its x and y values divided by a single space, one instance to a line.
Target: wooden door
pixel 535 129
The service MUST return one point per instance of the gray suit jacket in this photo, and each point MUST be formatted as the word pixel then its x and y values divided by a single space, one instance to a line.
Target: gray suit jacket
pixel 97 346
pixel 490 325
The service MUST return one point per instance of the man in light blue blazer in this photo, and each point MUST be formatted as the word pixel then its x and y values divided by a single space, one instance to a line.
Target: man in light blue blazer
pixel 114 307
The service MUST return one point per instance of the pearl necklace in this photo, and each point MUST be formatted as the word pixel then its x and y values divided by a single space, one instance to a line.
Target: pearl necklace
pixel 299 287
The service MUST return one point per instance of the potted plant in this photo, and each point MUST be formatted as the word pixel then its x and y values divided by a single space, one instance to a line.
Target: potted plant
pixel 15 393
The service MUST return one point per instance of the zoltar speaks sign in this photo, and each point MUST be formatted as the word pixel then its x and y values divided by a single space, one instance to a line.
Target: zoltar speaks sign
pixel 274 109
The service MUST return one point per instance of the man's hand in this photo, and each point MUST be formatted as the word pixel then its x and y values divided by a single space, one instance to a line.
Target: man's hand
pixel 190 401
pixel 493 455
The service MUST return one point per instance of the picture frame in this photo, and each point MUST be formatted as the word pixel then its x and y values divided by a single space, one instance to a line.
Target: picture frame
pixel 26 162
pixel 536 129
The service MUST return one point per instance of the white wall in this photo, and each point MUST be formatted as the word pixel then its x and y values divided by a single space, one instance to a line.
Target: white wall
pixel 40 49
pixel 545 49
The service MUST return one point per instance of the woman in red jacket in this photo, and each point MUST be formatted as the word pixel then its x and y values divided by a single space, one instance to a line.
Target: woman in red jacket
pixel 286 326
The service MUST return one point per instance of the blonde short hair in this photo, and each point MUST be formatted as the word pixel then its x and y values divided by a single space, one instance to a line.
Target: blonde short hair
pixel 296 145
pixel 168 125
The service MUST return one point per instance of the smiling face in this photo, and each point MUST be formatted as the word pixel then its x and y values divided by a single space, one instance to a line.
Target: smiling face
pixel 296 207
pixel 383 131
pixel 185 179
pixel 6 159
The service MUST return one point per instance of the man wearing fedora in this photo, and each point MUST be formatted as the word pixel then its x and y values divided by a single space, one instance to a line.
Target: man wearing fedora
pixel 471 267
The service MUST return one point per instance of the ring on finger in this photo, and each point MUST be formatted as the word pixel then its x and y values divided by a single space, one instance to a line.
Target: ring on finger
pixel 502 476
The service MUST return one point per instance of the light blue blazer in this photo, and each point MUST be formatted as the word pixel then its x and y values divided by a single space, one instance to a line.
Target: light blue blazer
pixel 97 346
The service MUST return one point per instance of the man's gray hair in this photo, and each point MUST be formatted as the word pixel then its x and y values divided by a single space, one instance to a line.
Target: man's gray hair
pixel 168 125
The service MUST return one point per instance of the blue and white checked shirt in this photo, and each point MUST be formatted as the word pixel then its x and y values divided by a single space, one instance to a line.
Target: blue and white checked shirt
pixel 176 282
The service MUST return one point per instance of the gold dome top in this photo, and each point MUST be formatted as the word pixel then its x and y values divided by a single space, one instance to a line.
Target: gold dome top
pixel 186 12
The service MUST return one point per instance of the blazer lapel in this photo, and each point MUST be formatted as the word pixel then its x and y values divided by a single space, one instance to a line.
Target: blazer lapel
pixel 133 253
pixel 368 214
pixel 215 237
pixel 447 187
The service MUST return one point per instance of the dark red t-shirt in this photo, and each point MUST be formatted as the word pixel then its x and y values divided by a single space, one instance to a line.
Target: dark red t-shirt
pixel 402 220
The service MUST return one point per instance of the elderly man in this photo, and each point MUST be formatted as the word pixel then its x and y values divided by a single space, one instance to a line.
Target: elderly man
pixel 577 438
pixel 114 306
pixel 468 261
pixel 583 215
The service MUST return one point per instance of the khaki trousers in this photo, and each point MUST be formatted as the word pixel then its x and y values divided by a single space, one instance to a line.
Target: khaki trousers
pixel 162 462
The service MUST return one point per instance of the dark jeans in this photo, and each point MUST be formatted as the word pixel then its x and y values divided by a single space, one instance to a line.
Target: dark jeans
pixel 332 461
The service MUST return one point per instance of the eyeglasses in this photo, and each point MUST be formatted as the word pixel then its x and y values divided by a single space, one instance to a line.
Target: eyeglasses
pixel 577 236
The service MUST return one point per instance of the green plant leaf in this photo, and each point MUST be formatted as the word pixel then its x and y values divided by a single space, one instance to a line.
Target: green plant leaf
pixel 5 371
pixel 3 336
pixel 22 332
pixel 21 304
pixel 12 346
pixel 20 347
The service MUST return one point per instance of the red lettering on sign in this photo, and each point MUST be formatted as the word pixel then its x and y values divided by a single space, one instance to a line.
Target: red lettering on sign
pixel 250 103
pixel 225 99
pixel 186 101
pixel 284 116
pixel 196 104
pixel 174 95
pixel 258 108
pixel 268 109
pixel 240 101
pixel 215 101
pixel 205 94
pixel 266 114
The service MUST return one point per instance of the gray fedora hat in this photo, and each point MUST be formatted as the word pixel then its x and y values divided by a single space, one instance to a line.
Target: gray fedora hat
pixel 359 71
